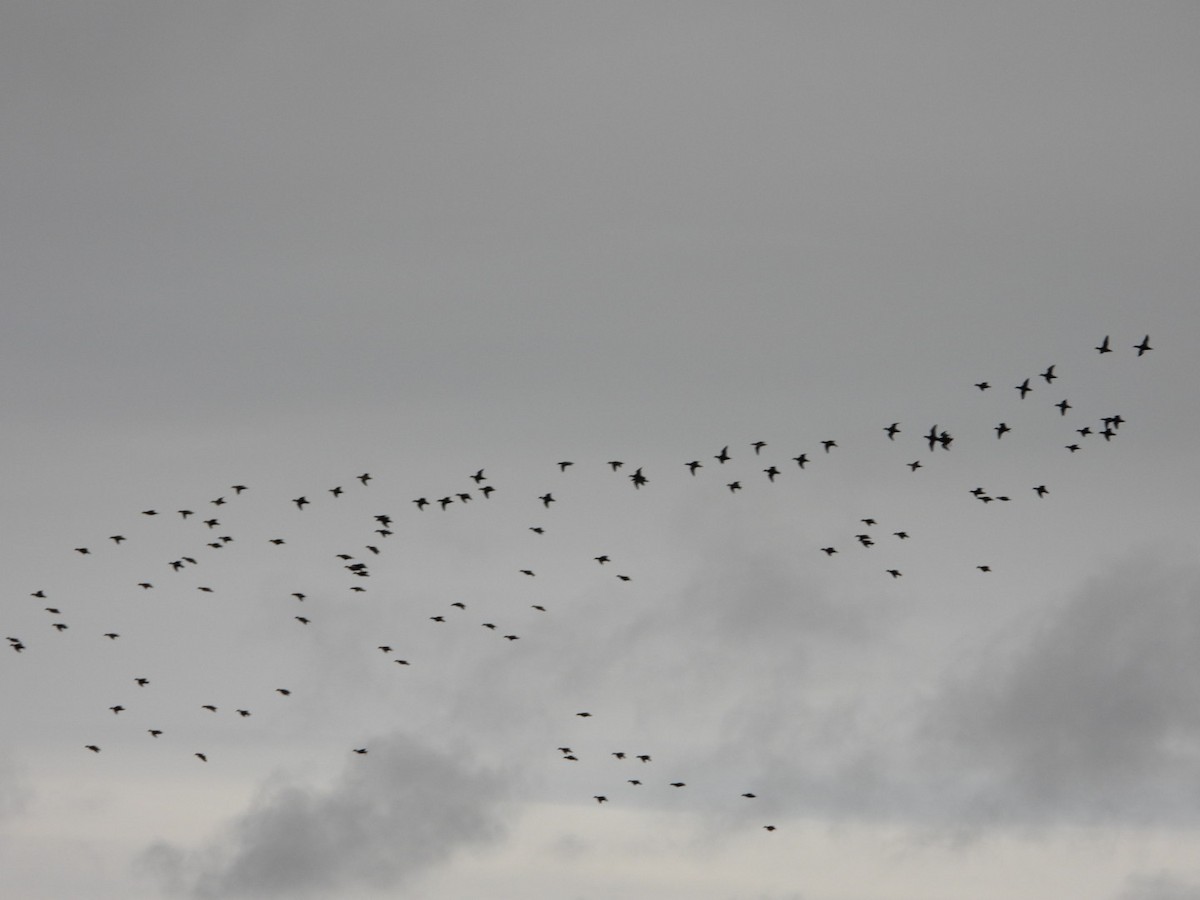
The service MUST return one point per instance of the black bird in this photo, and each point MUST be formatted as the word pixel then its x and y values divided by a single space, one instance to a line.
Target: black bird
pixel 283 692
pixel 59 626
pixel 678 784
pixel 277 541
pixel 211 523
pixel 734 486
pixel 615 463
pixel 562 466
pixel 1072 447
pixel 982 385
pixel 771 472
pixel 300 502
pixel 364 478
pixel 546 499
pixel 153 732
pixel 895 573
pixel 82 550
pixel 444 502
pixel 801 459
pixel 828 551
pixel 723 457
pixel 117 538
pixel 601 559
pixel 1049 375
pixel 748 794
pixel 1084 431
pixel 600 798
pixel 511 637
pixel 619 755
pixel 1002 429
pixel 903 535
pixel 932 437
pixel 302 620
pixel 238 488
pixel 360 750
pixel 336 491
pixel 828 444
pixel 201 757
pixel 984 568
pixel 1104 348
pixel 914 465
pixel 209 707
pixel 220 501
pixel 892 430
pixel 479 477
pixel 1063 406
pixel 149 512
pixel 184 513
pixel 644 758
pixel 528 572
pixel 537 529
pixel 758 445
pixel 639 479
pixel 421 503
pixel 1024 388
pixel 486 490
pixel 1143 346
pixel 91 747
pixel 694 465
pixel 1041 490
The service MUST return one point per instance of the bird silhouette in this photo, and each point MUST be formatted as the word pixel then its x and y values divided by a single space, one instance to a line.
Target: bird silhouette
pixel 1104 348
pixel 1144 346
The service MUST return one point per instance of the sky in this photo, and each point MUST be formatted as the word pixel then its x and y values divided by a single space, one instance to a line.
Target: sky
pixel 283 245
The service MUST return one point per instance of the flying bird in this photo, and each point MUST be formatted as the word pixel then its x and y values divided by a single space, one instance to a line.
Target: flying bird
pixel 1024 388
pixel 892 430
pixel 723 457
pixel 1049 375
pixel 1143 346
pixel 1104 348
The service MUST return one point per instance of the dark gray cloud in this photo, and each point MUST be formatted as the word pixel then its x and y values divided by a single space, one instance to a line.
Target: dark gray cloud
pixel 1093 715
pixel 393 813
pixel 1159 886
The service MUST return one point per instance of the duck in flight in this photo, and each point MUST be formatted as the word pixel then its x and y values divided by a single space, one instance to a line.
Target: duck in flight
pixel 1143 346
pixel 1104 348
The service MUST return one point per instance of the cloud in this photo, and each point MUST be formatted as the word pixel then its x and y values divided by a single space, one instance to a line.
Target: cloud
pixel 1094 716
pixel 394 812
pixel 1160 886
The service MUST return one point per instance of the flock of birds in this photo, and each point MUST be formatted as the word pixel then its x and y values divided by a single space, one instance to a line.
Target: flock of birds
pixel 209 526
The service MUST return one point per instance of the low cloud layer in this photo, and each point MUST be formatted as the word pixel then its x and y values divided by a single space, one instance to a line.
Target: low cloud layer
pixel 1093 717
pixel 394 812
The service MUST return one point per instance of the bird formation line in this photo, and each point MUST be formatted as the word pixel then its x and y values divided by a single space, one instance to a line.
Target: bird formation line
pixel 861 536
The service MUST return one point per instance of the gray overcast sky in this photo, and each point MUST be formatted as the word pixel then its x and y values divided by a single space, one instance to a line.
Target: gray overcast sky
pixel 282 244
